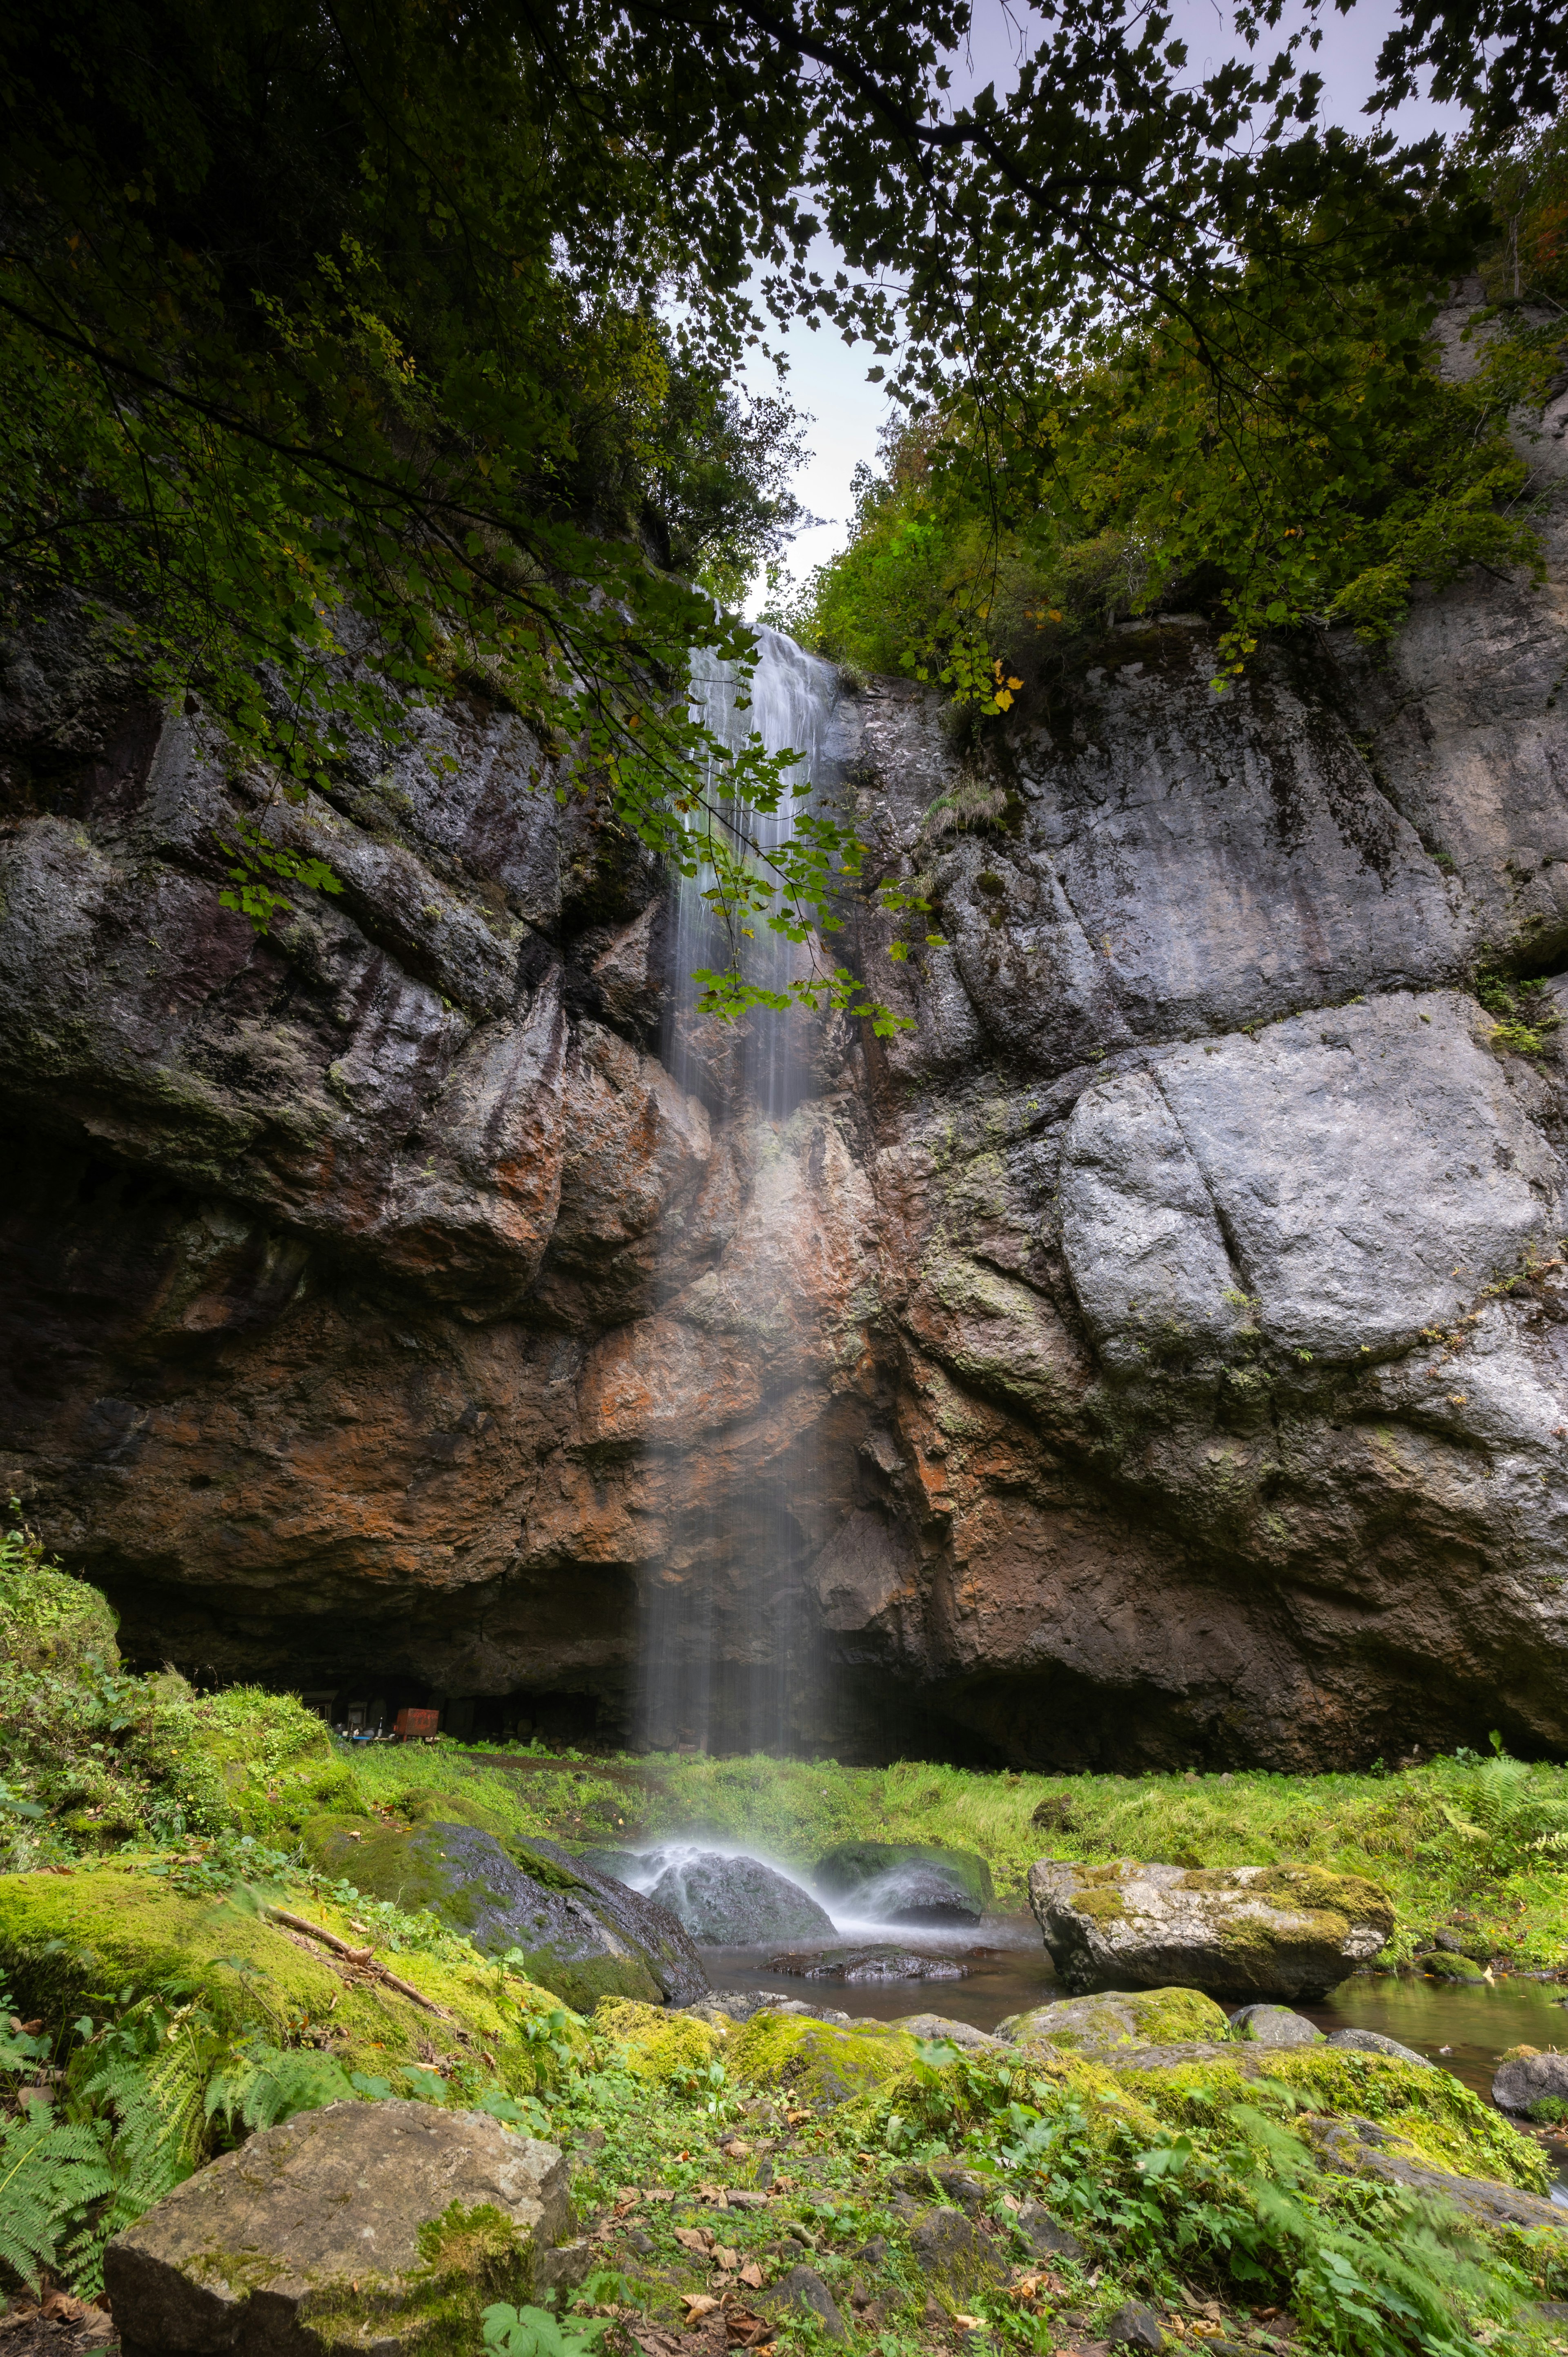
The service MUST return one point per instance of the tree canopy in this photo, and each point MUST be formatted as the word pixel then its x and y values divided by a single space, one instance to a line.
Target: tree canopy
pixel 357 354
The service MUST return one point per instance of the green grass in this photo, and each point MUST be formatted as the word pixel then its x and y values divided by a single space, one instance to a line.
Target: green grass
pixel 1481 1844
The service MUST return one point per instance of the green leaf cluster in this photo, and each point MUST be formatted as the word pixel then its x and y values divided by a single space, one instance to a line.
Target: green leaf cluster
pixel 1282 455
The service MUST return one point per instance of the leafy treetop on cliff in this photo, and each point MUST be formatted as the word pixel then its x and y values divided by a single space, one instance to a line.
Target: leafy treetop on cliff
pixel 358 356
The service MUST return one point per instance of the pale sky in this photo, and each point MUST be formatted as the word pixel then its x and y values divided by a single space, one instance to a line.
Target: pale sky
pixel 827 378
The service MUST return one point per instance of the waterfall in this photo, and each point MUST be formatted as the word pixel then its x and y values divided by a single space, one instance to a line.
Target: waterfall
pixel 724 1636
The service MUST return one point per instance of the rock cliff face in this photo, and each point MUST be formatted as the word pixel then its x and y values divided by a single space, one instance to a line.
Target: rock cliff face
pixel 1157 1354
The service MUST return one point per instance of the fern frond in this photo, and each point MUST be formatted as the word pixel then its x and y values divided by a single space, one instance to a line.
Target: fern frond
pixel 265 2083
pixel 51 2170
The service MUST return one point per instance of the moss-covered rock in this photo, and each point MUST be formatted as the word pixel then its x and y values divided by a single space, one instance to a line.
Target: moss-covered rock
pixel 1434 2115
pixel 822 2062
pixel 277 1765
pixel 77 1943
pixel 1276 1932
pixel 448 2214
pixel 498 1895
pixel 1144 2017
pixel 47 1619
pixel 654 2044
pixel 1443 1966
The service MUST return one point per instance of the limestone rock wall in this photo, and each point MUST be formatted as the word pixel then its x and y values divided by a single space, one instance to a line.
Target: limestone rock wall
pixel 1155 1354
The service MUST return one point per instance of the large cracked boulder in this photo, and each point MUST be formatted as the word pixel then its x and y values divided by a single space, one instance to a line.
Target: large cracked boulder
pixel 583 1935
pixel 1266 1932
pixel 363 2226
pixel 735 1901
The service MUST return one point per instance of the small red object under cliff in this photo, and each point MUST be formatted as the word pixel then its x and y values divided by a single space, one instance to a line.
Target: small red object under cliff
pixel 412 1726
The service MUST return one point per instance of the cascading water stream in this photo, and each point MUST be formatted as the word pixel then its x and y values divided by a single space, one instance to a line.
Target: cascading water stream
pixel 724 1637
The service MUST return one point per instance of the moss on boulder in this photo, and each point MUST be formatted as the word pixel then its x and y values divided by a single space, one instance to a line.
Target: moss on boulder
pixel 75 1943
pixel 496 1893
pixel 1440 2119
pixel 1441 1965
pixel 1266 1931
pixel 1142 2017
pixel 654 2044
pixel 47 1619
pixel 822 2062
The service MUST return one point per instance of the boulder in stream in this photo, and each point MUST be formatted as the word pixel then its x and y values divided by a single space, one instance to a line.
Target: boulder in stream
pixel 1274 2025
pixel 1525 2079
pixel 1372 2041
pixel 901 1882
pixel 265 2251
pixel 870 1967
pixel 1272 1932
pixel 735 1902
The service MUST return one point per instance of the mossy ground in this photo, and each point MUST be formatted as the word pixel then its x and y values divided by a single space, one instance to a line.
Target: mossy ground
pixel 182 1820
pixel 90 1941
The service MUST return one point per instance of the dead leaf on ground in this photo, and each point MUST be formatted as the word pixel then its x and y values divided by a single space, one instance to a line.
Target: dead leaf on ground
pixel 745 2330
pixel 752 2274
pixel 694 2238
pixel 698 2303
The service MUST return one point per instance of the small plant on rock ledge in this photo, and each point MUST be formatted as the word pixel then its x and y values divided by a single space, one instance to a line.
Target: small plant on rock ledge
pixel 1526 1019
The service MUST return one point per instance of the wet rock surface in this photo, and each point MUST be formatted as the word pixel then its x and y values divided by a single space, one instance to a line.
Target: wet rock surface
pixel 1282 1932
pixel 869 1967
pixel 894 1882
pixel 259 2247
pixel 735 1901
pixel 1167 1356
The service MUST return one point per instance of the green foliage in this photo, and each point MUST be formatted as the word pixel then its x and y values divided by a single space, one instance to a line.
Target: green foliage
pixel 95 1754
pixel 51 2171
pixel 261 2083
pixel 1527 1017
pixel 338 380
pixel 1285 456
pixel 534 2332
pixel 1369 2269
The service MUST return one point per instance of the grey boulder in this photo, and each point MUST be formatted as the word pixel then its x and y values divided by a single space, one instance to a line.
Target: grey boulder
pixel 734 1903
pixel 1275 2025
pixel 1043 2238
pixel 1372 2041
pixel 319 2234
pixel 871 1967
pixel 934 2026
pixel 803 2289
pixel 1133 2326
pixel 1272 1932
pixel 638 1918
pixel 1524 2080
